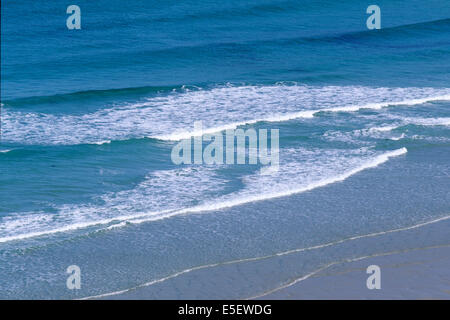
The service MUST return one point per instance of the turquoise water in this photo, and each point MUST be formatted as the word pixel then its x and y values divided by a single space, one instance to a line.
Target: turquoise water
pixel 89 117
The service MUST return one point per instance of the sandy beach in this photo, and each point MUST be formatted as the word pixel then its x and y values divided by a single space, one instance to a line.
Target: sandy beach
pixel 421 273
pixel 406 273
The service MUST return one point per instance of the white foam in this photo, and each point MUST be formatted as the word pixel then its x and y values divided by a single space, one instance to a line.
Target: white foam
pixel 386 131
pixel 354 136
pixel 160 193
pixel 171 117
pixel 174 192
pixel 428 121
pixel 398 138
pixel 4 151
pixel 307 114
pixel 102 142
pixel 255 190
pixel 383 129
pixel 278 118
pixel 255 194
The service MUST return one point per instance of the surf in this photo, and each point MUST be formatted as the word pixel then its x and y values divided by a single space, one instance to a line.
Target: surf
pixel 166 117
pixel 217 204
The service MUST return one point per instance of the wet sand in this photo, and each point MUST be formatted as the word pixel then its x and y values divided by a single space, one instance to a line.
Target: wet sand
pixel 422 273
pixel 408 271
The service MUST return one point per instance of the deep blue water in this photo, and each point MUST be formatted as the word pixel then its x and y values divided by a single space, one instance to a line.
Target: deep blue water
pixel 88 119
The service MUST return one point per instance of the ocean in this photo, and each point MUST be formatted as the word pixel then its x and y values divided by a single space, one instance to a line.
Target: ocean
pixel 89 118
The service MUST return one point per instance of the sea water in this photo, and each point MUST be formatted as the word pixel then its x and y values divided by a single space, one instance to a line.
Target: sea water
pixel 89 118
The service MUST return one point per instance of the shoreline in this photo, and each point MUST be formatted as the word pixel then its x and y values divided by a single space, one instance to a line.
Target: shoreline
pixel 341 279
pixel 421 273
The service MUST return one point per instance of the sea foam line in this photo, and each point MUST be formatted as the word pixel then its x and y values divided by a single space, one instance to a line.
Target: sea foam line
pixel 153 216
pixel 297 115
pixel 101 142
pixel 329 244
pixel 240 201
pixel 309 275
pixel 76 226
